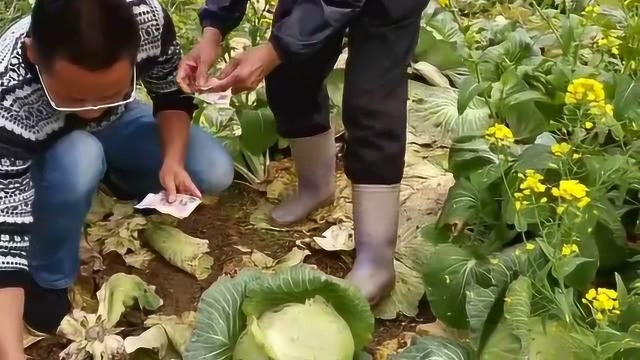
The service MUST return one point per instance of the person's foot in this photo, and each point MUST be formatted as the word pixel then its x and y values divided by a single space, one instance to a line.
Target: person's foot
pixel 374 281
pixel 375 215
pixel 300 205
pixel 315 164
pixel 45 308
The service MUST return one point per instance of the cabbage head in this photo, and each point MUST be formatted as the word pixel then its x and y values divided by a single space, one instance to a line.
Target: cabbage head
pixel 296 313
pixel 292 329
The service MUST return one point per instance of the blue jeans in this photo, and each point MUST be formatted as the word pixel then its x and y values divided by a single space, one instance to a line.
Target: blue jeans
pixel 66 178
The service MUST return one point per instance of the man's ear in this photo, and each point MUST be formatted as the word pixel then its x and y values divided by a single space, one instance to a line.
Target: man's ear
pixel 31 51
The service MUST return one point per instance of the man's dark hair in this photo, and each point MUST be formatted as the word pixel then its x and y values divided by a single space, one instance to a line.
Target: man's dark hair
pixel 91 34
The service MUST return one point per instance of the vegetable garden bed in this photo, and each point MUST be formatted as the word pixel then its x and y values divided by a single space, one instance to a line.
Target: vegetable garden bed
pixel 226 224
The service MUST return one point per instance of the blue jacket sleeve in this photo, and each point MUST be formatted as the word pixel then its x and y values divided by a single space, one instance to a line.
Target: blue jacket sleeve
pixel 223 15
pixel 310 24
pixel 296 36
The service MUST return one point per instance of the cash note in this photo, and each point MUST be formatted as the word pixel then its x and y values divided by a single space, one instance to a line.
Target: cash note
pixel 181 208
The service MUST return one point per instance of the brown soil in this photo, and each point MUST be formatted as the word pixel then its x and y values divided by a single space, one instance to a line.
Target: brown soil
pixel 225 223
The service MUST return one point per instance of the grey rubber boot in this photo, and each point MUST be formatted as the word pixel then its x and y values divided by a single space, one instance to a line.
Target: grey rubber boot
pixel 375 214
pixel 315 162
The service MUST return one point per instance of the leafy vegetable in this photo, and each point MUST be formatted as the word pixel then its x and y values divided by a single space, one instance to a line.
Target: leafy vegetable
pixel 251 311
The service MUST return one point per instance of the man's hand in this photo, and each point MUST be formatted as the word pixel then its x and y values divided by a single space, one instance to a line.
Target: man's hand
pixel 12 305
pixel 174 127
pixel 193 71
pixel 246 71
pixel 174 179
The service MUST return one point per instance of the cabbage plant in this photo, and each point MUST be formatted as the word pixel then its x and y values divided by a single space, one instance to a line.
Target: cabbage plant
pixel 295 313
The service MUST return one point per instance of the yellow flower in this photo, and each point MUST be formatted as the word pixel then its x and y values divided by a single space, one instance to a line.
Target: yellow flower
pixel 532 182
pixel 560 149
pixel 499 134
pixel 588 125
pixel 530 246
pixel 576 156
pixel 601 109
pixel 604 301
pixel 584 89
pixel 583 202
pixel 569 190
pixel 543 200
pixel 610 42
pixel 444 3
pixel 569 249
pixel 591 10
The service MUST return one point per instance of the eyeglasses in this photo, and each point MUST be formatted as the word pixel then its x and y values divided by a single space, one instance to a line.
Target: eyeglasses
pixel 94 107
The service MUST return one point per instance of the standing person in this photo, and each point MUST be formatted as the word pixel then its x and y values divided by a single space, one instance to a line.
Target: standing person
pixel 305 43
pixel 68 112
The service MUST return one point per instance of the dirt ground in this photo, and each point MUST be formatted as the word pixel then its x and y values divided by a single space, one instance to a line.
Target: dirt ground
pixel 225 223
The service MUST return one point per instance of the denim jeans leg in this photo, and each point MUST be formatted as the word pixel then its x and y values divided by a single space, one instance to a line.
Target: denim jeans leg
pixel 65 180
pixel 133 152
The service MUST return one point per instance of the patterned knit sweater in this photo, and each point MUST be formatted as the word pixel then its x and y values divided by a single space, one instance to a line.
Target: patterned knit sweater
pixel 29 124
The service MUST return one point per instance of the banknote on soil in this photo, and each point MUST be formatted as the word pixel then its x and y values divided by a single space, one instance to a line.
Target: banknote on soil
pixel 181 208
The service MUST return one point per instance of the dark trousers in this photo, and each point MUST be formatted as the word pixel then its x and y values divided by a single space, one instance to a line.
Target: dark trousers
pixel 381 41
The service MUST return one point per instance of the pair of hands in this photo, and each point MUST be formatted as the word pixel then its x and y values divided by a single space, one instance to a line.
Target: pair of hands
pixel 245 72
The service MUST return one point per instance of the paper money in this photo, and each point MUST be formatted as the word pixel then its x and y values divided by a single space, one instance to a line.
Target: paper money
pixel 181 208
pixel 220 99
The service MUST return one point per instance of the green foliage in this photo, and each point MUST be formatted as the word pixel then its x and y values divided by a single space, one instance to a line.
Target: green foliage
pixel 11 11
pixel 542 179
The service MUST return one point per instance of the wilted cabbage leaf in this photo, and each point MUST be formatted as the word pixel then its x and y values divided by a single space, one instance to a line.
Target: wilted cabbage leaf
pixel 120 232
pixel 139 259
pixel 167 336
pixel 337 237
pixel 91 336
pixel 101 206
pixel 82 293
pixel 90 257
pixel 154 339
pixel 258 259
pixel 178 329
pixel 122 291
pixel 184 251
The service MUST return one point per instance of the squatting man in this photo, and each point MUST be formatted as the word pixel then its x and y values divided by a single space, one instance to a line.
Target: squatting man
pixel 69 120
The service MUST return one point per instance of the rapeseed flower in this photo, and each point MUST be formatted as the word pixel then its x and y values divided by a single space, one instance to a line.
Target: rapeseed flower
pixel 569 249
pixel 531 182
pixel 560 149
pixel 610 42
pixel 499 134
pixel 571 190
pixel 604 301
pixel 584 89
pixel 592 10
